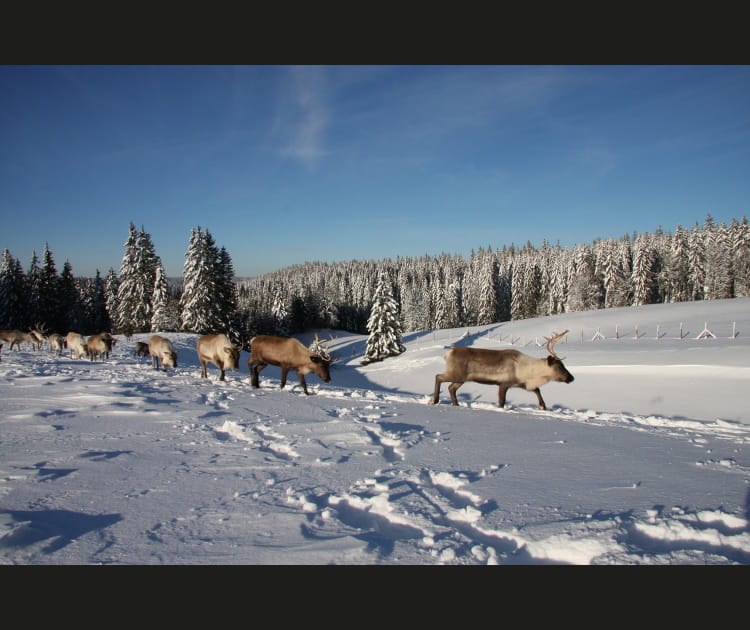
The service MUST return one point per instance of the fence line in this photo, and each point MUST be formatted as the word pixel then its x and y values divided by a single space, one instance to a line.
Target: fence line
pixel 494 335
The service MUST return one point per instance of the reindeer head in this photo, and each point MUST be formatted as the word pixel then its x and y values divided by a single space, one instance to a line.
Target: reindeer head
pixel 555 362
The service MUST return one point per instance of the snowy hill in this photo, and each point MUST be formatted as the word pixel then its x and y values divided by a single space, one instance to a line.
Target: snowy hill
pixel 643 459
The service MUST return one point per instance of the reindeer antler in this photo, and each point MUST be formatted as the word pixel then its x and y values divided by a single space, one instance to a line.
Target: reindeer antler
pixel 552 341
pixel 319 346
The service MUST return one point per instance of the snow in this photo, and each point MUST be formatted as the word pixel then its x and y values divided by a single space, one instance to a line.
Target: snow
pixel 643 459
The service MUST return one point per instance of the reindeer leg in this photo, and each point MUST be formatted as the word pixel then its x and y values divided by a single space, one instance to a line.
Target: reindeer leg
pixel 502 390
pixel 203 370
pixel 541 400
pixel 303 383
pixel 438 382
pixel 283 376
pixel 452 390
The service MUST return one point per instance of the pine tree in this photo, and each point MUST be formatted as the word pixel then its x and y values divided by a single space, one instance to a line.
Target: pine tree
pixel 51 311
pixel 161 320
pixel 677 272
pixel 201 311
pixel 111 299
pixel 643 272
pixel 72 315
pixel 95 307
pixel 227 293
pixel 740 247
pixel 383 325
pixel 33 296
pixel 11 293
pixel 696 264
pixel 487 306
pixel 280 313
pixel 137 276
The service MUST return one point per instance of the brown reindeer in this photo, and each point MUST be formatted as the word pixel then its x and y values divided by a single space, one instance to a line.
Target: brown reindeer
pixel 76 343
pixel 56 342
pixel 160 349
pixel 217 349
pixel 141 349
pixel 99 345
pixel 504 368
pixel 288 354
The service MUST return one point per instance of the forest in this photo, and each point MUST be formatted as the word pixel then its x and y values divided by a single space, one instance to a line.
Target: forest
pixel 709 261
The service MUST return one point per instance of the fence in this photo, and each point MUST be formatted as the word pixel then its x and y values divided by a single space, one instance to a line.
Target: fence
pixel 495 335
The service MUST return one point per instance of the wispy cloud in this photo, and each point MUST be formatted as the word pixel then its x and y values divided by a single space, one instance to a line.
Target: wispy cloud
pixel 304 116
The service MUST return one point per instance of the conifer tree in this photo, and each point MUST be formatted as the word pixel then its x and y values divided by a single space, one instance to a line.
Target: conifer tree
pixel 11 293
pixel 95 307
pixel 33 291
pixel 111 299
pixel 740 247
pixel 383 325
pixel 72 315
pixel 50 309
pixel 135 292
pixel 643 272
pixel 201 311
pixel 160 320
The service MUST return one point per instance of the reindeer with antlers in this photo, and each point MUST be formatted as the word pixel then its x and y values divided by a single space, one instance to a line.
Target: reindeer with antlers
pixel 504 368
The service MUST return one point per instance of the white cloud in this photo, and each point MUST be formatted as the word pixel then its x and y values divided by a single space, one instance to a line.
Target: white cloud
pixel 304 116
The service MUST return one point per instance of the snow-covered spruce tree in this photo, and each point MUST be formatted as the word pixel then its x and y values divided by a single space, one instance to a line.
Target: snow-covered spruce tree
pixel 488 282
pixel 677 272
pixel 719 274
pixel 740 246
pixel 111 287
pixel 200 308
pixel 161 320
pixel 384 329
pixel 33 292
pixel 11 293
pixel 227 294
pixel 137 275
pixel 643 272
pixel 280 313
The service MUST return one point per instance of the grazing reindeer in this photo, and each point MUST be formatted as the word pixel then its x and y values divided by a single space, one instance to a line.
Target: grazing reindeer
pixel 56 343
pixel 141 349
pixel 288 354
pixel 76 343
pixel 99 345
pixel 160 349
pixel 217 349
pixel 505 368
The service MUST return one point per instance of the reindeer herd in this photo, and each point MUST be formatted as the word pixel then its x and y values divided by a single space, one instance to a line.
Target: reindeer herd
pixel 504 368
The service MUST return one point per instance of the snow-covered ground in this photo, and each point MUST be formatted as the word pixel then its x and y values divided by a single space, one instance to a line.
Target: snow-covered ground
pixel 643 459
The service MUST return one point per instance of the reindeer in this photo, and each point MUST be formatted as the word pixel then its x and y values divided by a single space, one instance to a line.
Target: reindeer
pixel 160 349
pixel 11 337
pixel 56 342
pixel 288 354
pixel 40 334
pixel 141 349
pixel 217 349
pixel 505 368
pixel 99 345
pixel 76 343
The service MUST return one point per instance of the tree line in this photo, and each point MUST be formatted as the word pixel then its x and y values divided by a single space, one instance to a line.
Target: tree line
pixel 709 261
pixel 138 299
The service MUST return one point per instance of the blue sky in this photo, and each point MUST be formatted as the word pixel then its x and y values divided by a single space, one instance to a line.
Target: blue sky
pixel 291 164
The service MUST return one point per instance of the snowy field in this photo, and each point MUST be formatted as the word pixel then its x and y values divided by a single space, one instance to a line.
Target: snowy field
pixel 643 459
